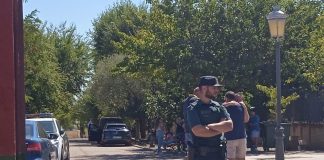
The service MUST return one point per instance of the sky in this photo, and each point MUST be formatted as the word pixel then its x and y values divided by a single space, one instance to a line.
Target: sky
pixel 81 13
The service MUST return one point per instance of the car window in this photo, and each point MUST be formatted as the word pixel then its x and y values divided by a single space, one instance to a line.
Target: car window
pixel 48 126
pixel 103 121
pixel 41 131
pixel 115 126
pixel 29 131
pixel 58 125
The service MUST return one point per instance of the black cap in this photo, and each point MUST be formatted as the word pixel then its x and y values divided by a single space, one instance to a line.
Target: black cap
pixel 209 81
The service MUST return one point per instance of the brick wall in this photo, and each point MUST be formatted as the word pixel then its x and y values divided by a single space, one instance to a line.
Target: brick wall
pixel 73 134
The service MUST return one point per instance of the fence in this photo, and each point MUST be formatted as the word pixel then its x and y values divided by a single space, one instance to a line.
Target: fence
pixel 307 135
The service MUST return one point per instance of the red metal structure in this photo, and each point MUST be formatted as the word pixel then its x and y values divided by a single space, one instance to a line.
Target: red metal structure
pixel 12 105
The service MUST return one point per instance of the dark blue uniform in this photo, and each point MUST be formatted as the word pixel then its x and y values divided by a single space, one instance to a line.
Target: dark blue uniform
pixel 206 148
pixel 186 104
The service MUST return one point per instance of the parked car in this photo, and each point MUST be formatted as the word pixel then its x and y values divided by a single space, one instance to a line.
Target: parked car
pixel 110 130
pixel 116 133
pixel 52 127
pixel 38 143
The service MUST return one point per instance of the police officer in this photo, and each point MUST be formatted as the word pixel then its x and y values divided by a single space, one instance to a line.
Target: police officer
pixel 208 120
pixel 188 138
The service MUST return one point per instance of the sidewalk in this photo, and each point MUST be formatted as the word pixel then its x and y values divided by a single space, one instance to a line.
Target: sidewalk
pixel 270 155
pixel 298 155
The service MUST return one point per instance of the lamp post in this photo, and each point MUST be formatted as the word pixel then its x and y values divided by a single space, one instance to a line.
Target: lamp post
pixel 276 20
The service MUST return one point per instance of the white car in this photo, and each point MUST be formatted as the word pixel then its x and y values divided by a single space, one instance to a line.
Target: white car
pixel 52 127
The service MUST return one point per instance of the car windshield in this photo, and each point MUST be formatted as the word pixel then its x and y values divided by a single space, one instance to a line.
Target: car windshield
pixel 29 131
pixel 115 126
pixel 105 120
pixel 48 126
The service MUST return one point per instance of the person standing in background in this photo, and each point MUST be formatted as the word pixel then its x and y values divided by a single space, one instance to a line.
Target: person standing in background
pixel 188 137
pixel 254 125
pixel 90 126
pixel 159 131
pixel 236 139
pixel 180 134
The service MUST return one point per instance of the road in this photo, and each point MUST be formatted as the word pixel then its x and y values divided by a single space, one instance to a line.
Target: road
pixel 81 149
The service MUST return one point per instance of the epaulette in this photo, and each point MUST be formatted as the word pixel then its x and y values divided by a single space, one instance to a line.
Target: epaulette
pixel 193 98
pixel 214 103
pixel 194 104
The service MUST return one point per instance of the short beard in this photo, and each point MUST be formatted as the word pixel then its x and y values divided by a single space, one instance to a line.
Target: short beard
pixel 210 96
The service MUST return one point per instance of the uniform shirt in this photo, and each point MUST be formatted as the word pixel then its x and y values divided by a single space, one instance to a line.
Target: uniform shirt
pixel 200 113
pixel 186 104
pixel 237 115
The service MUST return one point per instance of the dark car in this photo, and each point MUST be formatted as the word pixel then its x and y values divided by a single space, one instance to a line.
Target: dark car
pixel 38 143
pixel 95 131
pixel 115 133
pixel 104 120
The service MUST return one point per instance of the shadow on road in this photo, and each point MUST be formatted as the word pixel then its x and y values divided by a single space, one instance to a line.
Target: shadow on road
pixel 111 157
pixel 135 156
pixel 137 152
pixel 79 140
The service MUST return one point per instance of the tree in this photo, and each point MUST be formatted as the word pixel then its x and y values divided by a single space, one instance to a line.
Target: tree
pixel 303 48
pixel 57 67
pixel 271 93
pixel 85 109
pixel 124 17
pixel 117 94
pixel 42 74
pixel 178 41
pixel 74 57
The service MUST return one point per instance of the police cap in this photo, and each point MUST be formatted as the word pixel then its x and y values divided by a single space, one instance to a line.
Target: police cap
pixel 209 81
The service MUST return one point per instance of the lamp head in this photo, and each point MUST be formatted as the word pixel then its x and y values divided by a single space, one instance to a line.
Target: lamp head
pixel 276 20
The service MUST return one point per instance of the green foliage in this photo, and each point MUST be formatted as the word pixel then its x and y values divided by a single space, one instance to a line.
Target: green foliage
pixel 124 17
pixel 148 59
pixel 85 109
pixel 74 57
pixel 117 94
pixel 42 74
pixel 303 46
pixel 173 43
pixel 271 93
pixel 57 67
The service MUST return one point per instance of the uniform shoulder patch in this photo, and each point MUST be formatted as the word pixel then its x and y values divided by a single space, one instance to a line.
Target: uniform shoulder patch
pixel 216 104
pixel 193 98
pixel 194 104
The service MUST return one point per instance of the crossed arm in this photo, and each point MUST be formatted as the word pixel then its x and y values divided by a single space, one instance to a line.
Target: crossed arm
pixel 213 129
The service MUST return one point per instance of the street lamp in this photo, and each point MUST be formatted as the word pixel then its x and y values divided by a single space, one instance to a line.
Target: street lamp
pixel 276 20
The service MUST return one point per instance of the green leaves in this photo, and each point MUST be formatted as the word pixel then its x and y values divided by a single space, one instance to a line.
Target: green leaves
pixel 117 94
pixel 271 93
pixel 172 43
pixel 57 67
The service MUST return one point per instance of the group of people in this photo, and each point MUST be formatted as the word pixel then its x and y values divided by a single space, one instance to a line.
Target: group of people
pixel 215 131
pixel 174 135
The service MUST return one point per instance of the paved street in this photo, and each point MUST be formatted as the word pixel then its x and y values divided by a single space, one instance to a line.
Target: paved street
pixel 81 149
pixel 291 155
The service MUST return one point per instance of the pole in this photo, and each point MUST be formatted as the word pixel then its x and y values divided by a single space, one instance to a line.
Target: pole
pixel 279 128
pixel 12 102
